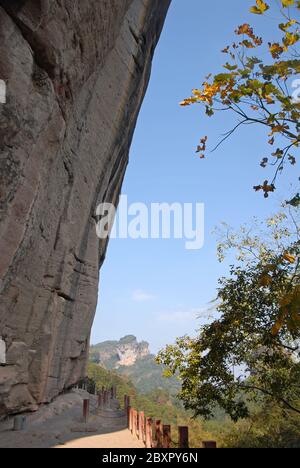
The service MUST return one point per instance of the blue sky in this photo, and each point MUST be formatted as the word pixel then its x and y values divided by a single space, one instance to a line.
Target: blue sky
pixel 155 288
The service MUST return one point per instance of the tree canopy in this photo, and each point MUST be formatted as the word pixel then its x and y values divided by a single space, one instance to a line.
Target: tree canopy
pixel 252 348
pixel 260 91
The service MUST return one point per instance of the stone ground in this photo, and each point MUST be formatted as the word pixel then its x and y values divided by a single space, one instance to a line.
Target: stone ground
pixel 60 425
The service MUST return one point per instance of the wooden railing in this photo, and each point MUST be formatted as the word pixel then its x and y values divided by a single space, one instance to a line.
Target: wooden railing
pixel 105 398
pixel 154 434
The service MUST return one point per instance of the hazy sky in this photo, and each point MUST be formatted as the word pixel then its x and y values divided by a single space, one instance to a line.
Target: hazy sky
pixel 155 289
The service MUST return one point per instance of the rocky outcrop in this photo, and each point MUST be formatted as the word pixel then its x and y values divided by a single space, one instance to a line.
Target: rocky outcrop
pixel 116 354
pixel 129 353
pixel 76 73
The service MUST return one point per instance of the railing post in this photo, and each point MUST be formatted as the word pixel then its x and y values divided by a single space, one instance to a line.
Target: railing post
pixel 132 419
pixel 86 410
pixel 127 406
pixel 149 423
pixel 142 426
pixel 86 384
pixel 135 422
pixel 127 413
pixel 166 437
pixel 106 399
pixel 100 401
pixel 183 437
pixel 130 422
pixel 158 434
pixel 209 444
pixel 19 423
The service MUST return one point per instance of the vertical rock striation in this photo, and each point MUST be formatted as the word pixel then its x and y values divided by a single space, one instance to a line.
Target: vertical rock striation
pixel 76 73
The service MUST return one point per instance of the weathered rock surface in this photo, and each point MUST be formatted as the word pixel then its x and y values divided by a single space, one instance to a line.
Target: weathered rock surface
pixel 76 73
pixel 115 354
pixel 131 352
pixel 2 351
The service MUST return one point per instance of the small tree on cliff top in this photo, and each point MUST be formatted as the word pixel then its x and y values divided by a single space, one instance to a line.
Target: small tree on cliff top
pixel 258 92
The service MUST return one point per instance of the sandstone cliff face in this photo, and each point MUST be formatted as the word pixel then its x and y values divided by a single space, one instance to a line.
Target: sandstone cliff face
pixel 76 73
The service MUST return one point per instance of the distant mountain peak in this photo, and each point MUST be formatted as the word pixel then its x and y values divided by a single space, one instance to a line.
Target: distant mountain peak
pixel 128 339
pixel 116 354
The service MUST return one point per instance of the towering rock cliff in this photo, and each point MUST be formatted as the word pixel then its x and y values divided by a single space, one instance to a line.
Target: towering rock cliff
pixel 76 73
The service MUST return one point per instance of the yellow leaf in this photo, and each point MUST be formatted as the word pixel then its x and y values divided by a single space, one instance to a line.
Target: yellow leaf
pixel 287 3
pixel 290 39
pixel 188 102
pixel 270 100
pixel 244 29
pixel 260 8
pixel 278 129
pixel 289 258
pixel 276 49
pixel 285 26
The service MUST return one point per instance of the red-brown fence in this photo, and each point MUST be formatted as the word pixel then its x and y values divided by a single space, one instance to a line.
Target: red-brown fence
pixel 154 434
pixel 105 397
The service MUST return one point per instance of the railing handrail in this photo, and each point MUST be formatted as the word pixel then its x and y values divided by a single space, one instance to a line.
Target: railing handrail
pixel 154 434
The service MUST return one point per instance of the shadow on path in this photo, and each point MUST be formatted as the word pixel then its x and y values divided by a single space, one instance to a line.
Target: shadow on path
pixel 60 425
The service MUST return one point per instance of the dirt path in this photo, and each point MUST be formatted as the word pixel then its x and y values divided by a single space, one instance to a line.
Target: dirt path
pixel 60 425
pixel 120 439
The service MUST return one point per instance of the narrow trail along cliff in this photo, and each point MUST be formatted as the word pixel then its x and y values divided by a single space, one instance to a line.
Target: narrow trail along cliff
pixel 59 425
pixel 76 73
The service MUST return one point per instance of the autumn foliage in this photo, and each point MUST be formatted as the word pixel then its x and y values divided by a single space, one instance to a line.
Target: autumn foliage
pixel 259 91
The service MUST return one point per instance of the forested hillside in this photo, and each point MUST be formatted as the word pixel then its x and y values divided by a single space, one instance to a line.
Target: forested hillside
pixel 268 427
pixel 131 359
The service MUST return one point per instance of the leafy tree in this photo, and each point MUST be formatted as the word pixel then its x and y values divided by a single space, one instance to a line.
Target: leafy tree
pixel 268 427
pixel 258 91
pixel 253 348
pixel 99 377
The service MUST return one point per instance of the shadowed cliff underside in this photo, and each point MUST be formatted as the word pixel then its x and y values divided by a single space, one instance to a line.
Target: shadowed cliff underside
pixel 76 75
